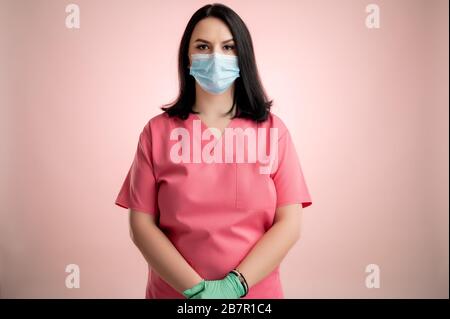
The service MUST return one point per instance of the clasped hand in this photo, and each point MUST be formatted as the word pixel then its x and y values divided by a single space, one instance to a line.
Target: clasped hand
pixel 229 287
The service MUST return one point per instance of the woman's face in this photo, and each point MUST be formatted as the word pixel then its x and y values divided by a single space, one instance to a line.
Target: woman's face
pixel 211 35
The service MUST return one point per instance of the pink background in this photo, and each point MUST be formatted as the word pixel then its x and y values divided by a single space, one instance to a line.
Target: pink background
pixel 367 108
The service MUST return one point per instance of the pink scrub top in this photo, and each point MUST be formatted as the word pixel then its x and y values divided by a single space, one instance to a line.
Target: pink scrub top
pixel 213 213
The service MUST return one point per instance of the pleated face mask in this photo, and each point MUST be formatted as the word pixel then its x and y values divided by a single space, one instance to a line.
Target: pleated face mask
pixel 214 72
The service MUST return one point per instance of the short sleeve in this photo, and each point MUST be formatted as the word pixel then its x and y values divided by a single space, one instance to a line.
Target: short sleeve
pixel 288 177
pixel 138 191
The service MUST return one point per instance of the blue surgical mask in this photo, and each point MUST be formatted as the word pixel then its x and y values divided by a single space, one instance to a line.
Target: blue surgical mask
pixel 214 72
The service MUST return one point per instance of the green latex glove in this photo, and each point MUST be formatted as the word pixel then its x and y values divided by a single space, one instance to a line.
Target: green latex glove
pixel 227 288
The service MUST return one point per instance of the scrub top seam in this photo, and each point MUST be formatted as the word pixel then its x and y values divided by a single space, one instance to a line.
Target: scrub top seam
pixel 236 186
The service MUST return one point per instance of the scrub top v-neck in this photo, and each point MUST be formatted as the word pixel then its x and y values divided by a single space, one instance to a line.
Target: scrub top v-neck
pixel 212 212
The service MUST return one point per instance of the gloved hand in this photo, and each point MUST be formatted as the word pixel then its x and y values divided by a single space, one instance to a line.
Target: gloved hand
pixel 227 288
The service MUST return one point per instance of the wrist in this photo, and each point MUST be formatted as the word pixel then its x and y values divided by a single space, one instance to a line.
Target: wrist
pixel 241 281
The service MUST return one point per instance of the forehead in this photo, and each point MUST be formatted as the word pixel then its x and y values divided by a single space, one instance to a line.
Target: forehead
pixel 211 29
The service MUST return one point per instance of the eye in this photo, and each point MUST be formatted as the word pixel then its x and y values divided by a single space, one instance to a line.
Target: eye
pixel 201 46
pixel 229 47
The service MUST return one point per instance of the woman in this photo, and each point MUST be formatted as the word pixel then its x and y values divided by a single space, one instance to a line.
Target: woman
pixel 213 225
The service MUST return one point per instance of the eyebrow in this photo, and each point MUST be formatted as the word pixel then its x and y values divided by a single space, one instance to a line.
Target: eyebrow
pixel 202 40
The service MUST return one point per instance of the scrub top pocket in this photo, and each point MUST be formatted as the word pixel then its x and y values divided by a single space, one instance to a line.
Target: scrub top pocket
pixel 254 190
